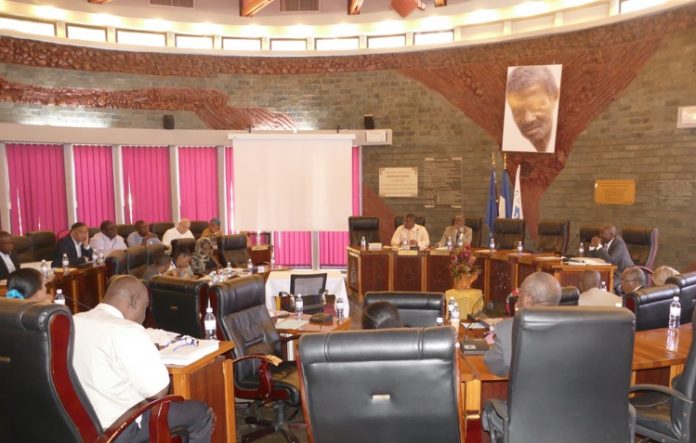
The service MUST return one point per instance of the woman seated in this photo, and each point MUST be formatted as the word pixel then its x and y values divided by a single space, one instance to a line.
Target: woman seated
pixel 380 315
pixel 182 265
pixel 204 259
pixel 28 284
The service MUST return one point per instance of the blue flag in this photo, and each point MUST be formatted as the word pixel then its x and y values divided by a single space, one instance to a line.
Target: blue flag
pixel 492 206
pixel 505 201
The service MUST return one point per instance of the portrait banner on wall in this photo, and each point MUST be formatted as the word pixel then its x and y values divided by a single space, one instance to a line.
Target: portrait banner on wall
pixel 531 108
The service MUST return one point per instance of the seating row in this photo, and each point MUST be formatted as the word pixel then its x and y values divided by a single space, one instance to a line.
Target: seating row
pixel 651 304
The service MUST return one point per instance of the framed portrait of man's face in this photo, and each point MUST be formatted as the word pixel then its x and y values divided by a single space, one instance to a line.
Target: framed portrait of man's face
pixel 531 108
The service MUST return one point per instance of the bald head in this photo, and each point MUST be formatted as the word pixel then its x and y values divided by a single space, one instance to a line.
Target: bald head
pixel 540 288
pixel 588 280
pixel 607 233
pixel 129 295
pixel 632 279
pixel 183 225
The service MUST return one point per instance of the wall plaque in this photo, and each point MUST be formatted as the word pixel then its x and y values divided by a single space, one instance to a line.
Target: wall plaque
pixel 442 182
pixel 615 192
pixel 398 182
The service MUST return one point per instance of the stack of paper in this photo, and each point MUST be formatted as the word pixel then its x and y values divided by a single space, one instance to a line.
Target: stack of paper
pixel 182 353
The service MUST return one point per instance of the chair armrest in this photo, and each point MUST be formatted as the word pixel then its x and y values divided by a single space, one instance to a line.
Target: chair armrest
pixel 159 428
pixel 663 390
pixel 288 338
pixel 264 372
pixel 272 359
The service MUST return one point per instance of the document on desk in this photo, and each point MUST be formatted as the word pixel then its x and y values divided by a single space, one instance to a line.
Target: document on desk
pixel 182 353
pixel 290 323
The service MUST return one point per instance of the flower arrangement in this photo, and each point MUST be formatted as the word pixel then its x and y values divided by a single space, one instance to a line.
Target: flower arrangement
pixel 462 263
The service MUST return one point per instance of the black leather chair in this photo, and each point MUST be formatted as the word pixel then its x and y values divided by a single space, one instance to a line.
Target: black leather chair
pixel 41 398
pixel 508 232
pixel 570 295
pixel 552 236
pixel 160 228
pixel 416 309
pixel 642 244
pixel 93 231
pixel 197 227
pixel 593 347
pixel 476 225
pixel 668 414
pixel 687 293
pixel 586 233
pixel 313 290
pixel 398 221
pixel 178 305
pixel 136 261
pixel 153 251
pixel 125 230
pixel 183 244
pixel 388 385
pixel 233 249
pixel 240 308
pixel 22 247
pixel 651 305
pixel 43 244
pixel 115 263
pixel 367 227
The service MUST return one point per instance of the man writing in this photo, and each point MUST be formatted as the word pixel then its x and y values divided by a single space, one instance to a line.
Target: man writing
pixel 457 233
pixel 142 235
pixel 118 366
pixel 9 262
pixel 76 246
pixel 411 234
pixel 612 249
pixel 538 288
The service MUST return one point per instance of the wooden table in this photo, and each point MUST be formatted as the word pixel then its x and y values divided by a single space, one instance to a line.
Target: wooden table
pixel 308 328
pixel 83 288
pixel 210 380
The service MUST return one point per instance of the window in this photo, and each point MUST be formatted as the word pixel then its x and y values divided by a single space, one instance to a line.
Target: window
pixel 194 42
pixel 279 44
pixel 337 44
pixel 241 44
pixel 86 33
pixel 386 41
pixel 433 38
pixel 28 26
pixel 141 38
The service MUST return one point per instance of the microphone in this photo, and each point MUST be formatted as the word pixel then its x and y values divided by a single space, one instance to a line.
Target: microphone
pixel 471 317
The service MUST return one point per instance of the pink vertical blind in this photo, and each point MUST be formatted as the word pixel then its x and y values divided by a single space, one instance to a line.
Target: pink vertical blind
pixel 198 182
pixel 332 244
pixel 293 248
pixel 37 187
pixel 94 184
pixel 146 183
pixel 229 182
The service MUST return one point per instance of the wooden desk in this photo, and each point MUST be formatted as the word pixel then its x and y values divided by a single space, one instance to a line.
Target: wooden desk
pixel 210 380
pixel 336 325
pixel 83 288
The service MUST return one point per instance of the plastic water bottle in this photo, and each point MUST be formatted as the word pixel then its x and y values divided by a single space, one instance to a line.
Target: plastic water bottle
pixel 454 316
pixel 439 321
pixel 209 323
pixel 520 248
pixel 363 243
pixel 60 298
pixel 674 314
pixel 404 243
pixel 581 250
pixel 299 306
pixel 272 257
pixel 450 306
pixel 250 266
pixel 100 257
pixel 449 243
pixel 44 268
pixel 228 270
pixel 603 285
pixel 66 264
pixel 340 308
pixel 491 244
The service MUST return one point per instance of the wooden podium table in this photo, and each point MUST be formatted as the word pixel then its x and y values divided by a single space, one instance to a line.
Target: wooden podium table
pixel 210 380
pixel 83 288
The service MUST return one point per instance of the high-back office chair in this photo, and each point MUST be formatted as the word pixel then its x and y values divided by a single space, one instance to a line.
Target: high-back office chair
pixel 476 225
pixel 183 244
pixel 91 232
pixel 388 385
pixel 687 293
pixel 197 228
pixel 125 230
pixel 570 295
pixel 160 228
pixel 41 398
pixel 586 233
pixel 642 244
pixel 552 236
pixel 153 251
pixel 22 247
pixel 593 347
pixel 416 309
pixel 177 304
pixel 240 308
pixel 508 232
pixel 668 414
pixel 312 287
pixel 115 263
pixel 399 220
pixel 651 306
pixel 359 227
pixel 136 261
pixel 233 249
pixel 43 244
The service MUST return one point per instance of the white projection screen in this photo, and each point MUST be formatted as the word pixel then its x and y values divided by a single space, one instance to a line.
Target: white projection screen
pixel 292 182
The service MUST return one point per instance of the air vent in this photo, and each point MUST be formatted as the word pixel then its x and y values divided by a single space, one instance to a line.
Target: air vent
pixel 179 3
pixel 299 5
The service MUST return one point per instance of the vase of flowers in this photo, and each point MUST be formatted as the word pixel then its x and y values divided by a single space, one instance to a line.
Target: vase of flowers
pixel 462 269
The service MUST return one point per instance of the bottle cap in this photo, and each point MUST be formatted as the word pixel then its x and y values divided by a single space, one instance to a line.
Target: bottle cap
pixel 675 298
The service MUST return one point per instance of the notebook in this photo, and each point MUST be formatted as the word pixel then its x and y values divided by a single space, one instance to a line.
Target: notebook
pixel 473 346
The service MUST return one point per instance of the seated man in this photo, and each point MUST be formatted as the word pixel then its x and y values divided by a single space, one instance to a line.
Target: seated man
pixel 9 262
pixel 160 265
pixel 142 235
pixel 411 233
pixel 181 230
pixel 119 366
pixel 590 292
pixel 458 232
pixel 213 230
pixel 75 246
pixel 538 288
pixel 380 315
pixel 632 279
pixel 611 248
pixel 661 274
pixel 107 239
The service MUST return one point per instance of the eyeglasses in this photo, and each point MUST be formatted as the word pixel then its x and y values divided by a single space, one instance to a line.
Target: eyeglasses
pixel 183 341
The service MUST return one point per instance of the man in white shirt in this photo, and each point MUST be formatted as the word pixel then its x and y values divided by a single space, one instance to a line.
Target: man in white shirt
pixel 181 230
pixel 411 233
pixel 119 366
pixel 142 235
pixel 9 262
pixel 590 292
pixel 107 239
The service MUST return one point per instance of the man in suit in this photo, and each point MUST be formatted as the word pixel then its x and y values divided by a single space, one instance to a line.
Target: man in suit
pixel 539 288
pixel 632 279
pixel 458 232
pixel 611 248
pixel 75 246
pixel 9 262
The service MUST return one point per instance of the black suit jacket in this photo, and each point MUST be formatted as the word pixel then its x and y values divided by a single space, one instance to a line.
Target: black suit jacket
pixel 3 268
pixel 67 246
pixel 616 255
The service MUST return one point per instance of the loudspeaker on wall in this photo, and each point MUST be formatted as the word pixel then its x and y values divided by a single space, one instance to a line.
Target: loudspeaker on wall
pixel 369 121
pixel 168 121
